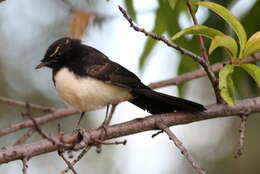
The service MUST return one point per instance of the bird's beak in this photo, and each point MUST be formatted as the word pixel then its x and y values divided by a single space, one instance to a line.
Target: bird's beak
pixel 42 65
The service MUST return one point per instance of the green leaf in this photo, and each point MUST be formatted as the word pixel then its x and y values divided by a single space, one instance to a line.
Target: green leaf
pixel 230 19
pixel 226 85
pixel 198 29
pixel 252 45
pixel 253 71
pixel 231 87
pixel 130 9
pixel 172 3
pixel 224 41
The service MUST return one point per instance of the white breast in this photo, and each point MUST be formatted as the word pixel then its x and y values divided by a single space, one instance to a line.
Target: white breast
pixel 88 93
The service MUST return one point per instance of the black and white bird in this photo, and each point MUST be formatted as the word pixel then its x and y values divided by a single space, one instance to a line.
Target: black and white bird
pixel 86 79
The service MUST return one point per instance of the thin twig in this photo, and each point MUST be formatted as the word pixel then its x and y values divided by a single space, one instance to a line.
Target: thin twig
pixel 25 165
pixel 205 64
pixel 79 157
pixel 61 152
pixel 28 113
pixel 60 113
pixel 203 49
pixel 214 82
pixel 40 131
pixel 79 120
pixel 180 146
pixel 198 73
pixel 70 166
pixel 23 104
pixel 109 143
pixel 157 133
pixel 23 138
pixel 242 135
pixel 197 58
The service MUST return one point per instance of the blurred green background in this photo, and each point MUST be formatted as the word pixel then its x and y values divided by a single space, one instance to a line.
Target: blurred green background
pixel 27 28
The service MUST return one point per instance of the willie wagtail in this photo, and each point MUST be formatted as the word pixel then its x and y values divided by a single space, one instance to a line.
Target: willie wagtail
pixel 86 79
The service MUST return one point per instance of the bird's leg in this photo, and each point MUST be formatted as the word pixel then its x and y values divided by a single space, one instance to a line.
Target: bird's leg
pixel 108 118
pixel 112 110
pixel 103 131
pixel 109 115
pixel 105 122
pixel 80 118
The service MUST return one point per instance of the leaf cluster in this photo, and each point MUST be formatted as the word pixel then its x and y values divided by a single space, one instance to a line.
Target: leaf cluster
pixel 236 47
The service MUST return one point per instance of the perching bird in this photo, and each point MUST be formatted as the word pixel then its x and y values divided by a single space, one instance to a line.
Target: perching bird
pixel 86 79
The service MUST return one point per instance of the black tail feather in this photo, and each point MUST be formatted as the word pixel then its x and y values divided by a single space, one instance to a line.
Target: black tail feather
pixel 158 103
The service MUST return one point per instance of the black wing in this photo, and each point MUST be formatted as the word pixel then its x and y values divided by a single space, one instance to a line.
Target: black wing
pixel 98 66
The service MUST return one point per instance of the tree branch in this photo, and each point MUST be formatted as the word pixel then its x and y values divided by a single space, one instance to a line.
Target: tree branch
pixel 26 136
pixel 242 135
pixel 25 165
pixel 199 73
pixel 155 36
pixel 23 104
pixel 59 113
pixel 78 158
pixel 247 106
pixel 203 49
pixel 205 63
pixel 180 146
pixel 70 166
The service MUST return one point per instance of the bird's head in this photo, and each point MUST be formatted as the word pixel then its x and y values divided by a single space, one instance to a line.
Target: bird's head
pixel 59 52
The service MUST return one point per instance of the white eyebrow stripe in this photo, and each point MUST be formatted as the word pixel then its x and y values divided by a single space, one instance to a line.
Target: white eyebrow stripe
pixel 56 50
